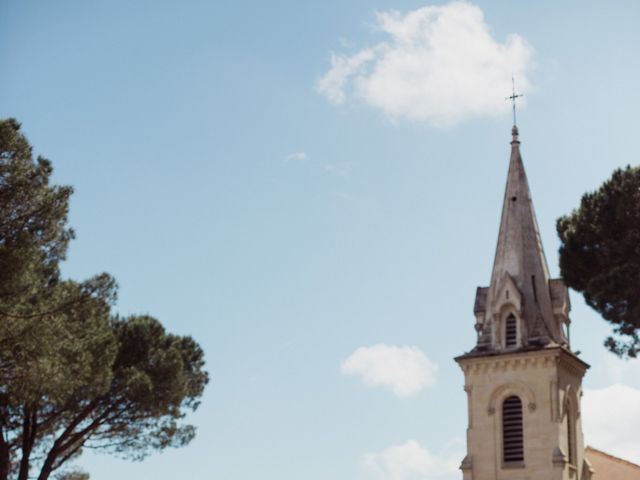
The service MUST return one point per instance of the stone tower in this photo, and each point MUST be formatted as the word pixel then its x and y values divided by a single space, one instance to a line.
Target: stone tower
pixel 522 380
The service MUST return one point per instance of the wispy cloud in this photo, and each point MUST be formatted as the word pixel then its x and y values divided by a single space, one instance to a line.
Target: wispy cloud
pixel 341 170
pixel 440 65
pixel 611 369
pixel 334 83
pixel 410 461
pixel 404 370
pixel 296 156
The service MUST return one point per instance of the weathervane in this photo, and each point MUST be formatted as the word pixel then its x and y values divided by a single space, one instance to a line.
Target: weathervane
pixel 513 99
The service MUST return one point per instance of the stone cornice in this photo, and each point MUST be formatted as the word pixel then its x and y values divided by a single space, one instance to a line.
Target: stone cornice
pixel 521 360
pixel 571 362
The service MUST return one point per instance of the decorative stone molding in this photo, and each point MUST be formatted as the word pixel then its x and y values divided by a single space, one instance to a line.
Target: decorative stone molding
pixel 554 398
pixel 559 458
pixel 469 390
pixel 571 396
pixel 518 360
pixel 467 463
pixel 573 365
pixel 507 293
pixel 505 363
pixel 512 388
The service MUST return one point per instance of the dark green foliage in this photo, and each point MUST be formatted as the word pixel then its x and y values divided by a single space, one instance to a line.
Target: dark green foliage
pixel 600 255
pixel 154 377
pixel 72 374
pixel 33 216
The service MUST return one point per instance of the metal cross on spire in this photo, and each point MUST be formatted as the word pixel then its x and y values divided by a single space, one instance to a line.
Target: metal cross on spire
pixel 513 99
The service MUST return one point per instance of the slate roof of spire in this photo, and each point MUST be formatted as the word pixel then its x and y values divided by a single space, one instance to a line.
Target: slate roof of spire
pixel 519 254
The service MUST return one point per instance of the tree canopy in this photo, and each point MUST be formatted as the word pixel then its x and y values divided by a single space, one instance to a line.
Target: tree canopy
pixel 73 374
pixel 600 256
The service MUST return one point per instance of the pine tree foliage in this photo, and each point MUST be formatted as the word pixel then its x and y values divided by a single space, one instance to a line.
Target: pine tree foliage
pixel 600 256
pixel 74 375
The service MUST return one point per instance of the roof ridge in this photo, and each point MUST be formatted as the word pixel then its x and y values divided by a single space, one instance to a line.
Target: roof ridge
pixel 589 447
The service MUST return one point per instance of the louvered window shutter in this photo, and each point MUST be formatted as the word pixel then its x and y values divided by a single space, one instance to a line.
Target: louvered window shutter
pixel 512 433
pixel 511 332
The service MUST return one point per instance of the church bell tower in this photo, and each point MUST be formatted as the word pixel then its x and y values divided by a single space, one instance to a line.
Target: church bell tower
pixel 522 380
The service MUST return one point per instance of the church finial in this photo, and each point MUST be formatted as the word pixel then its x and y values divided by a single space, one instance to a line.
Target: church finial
pixel 513 101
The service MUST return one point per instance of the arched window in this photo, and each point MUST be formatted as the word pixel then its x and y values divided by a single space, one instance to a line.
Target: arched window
pixel 511 332
pixel 512 432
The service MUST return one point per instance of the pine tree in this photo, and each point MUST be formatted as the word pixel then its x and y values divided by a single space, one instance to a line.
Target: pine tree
pixel 600 256
pixel 72 373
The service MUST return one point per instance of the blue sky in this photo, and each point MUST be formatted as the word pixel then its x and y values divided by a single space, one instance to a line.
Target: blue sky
pixel 286 222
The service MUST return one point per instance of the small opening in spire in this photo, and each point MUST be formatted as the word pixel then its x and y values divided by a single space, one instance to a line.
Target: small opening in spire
pixel 511 332
pixel 513 199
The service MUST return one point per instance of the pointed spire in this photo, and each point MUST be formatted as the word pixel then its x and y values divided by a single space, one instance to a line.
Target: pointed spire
pixel 519 254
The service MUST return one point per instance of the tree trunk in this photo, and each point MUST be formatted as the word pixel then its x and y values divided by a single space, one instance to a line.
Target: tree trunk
pixel 28 438
pixel 5 465
pixel 47 466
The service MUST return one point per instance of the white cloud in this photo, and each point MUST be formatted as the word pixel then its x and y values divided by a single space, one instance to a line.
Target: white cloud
pixel 296 156
pixel 611 420
pixel 440 65
pixel 405 370
pixel 339 170
pixel 333 83
pixel 410 461
pixel 611 369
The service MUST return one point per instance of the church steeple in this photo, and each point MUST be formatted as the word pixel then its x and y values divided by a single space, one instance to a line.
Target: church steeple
pixel 520 277
pixel 523 383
